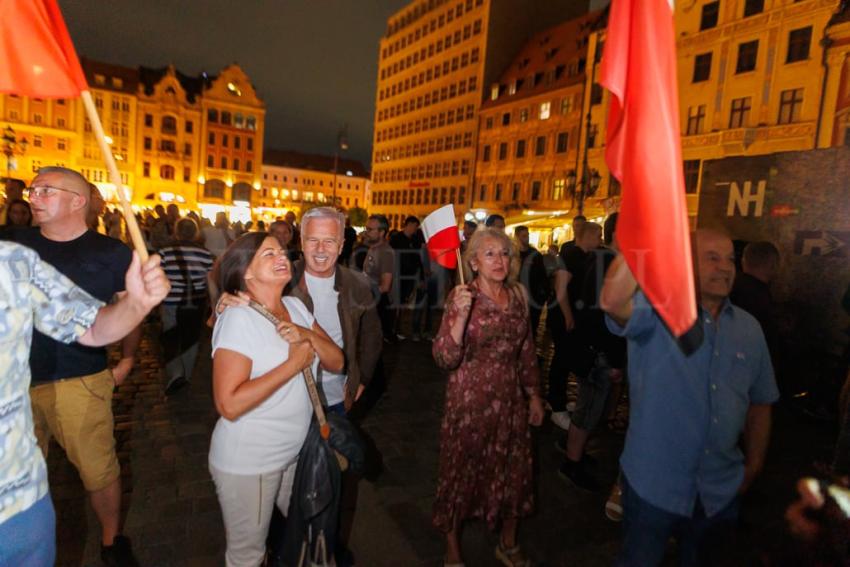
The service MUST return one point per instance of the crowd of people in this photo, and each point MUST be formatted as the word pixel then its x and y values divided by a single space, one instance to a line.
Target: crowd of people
pixel 310 299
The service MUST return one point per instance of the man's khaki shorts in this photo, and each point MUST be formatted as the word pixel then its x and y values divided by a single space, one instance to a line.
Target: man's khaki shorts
pixel 78 413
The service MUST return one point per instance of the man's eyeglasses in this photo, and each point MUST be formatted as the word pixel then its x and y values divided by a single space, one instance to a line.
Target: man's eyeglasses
pixel 45 192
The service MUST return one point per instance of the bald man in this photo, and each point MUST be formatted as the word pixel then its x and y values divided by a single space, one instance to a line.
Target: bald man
pixel 683 468
pixel 72 384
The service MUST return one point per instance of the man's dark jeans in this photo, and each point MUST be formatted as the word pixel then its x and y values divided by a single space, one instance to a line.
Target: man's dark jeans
pixel 647 529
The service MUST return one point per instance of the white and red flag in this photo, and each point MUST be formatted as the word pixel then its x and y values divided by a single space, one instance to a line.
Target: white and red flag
pixel 442 236
pixel 644 153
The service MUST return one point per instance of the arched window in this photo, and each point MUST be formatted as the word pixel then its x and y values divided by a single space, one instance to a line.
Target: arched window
pixel 225 117
pixel 169 125
pixel 214 188
pixel 166 172
pixel 239 120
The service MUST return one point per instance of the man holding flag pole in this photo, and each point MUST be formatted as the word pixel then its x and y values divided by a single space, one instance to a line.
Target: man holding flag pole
pixel 700 380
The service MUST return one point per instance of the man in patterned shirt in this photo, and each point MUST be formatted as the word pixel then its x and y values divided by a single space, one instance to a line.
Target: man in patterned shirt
pixel 33 293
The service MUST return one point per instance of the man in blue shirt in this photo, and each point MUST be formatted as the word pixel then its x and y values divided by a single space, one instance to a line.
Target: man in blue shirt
pixel 683 467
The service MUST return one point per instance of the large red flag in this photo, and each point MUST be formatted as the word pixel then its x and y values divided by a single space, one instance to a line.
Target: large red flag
pixel 644 153
pixel 37 57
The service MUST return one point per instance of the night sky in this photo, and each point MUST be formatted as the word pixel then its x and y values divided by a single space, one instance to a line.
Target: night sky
pixel 314 62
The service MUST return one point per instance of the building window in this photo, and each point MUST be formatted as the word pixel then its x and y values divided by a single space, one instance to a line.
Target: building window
pixel 37 118
pixel 60 122
pixel 753 7
pixel 61 144
pixel 187 174
pixel 237 142
pixel 187 149
pixel 503 151
pixel 224 140
pixel 710 11
pixel 482 193
pixel 236 164
pixel 189 126
pixel 562 142
pixel 37 141
pixel 696 119
pixel 250 144
pixel 798 44
pixel 251 123
pixel 498 195
pixel 520 148
pixel 540 146
pixel 212 115
pixel 535 190
pixel 488 123
pixel 506 119
pixel 691 167
pixel 545 108
pixel 790 103
pixel 214 188
pixel 249 166
pixel 211 138
pixel 210 161
pixel 558 189
pixel 747 55
pixel 168 146
pixel 169 125
pixel 595 94
pixel 740 114
pixel 523 115
pixel 148 143
pixel 486 154
pixel 146 169
pixel 223 162
pixel 148 120
pixel 166 172
pixel 515 188
pixel 226 118
pixel 566 105
pixel 702 67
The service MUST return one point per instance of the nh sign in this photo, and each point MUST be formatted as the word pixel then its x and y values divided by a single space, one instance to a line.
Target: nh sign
pixel 740 198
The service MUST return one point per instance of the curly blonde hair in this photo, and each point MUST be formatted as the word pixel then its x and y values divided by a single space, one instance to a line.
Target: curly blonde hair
pixel 475 244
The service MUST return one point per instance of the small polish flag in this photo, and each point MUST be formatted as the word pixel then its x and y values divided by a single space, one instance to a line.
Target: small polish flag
pixel 442 236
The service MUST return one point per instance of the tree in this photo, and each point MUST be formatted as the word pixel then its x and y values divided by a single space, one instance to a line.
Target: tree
pixel 357 216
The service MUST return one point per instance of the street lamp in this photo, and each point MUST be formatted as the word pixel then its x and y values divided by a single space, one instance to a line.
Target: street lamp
pixel 341 145
pixel 12 146
pixel 587 186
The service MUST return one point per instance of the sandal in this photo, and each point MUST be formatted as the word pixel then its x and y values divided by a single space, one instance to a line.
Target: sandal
pixel 512 556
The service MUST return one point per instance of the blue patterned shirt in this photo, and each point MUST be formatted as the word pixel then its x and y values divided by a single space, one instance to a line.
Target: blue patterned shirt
pixel 31 293
pixel 687 413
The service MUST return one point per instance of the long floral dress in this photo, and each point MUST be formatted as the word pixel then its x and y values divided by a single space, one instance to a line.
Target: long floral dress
pixel 485 440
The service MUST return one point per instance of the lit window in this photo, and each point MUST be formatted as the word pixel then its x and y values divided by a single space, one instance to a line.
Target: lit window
pixel 545 108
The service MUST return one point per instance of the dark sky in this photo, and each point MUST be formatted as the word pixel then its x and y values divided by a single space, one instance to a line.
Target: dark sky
pixel 314 62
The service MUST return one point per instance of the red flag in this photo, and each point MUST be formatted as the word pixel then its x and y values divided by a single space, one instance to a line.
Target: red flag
pixel 442 237
pixel 37 57
pixel 644 153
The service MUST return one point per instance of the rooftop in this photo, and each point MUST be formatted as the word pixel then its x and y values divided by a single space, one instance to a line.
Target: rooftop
pixel 312 162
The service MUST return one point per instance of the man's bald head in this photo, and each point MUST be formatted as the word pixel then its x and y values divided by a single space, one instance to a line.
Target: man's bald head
pixel 72 180
pixel 66 208
pixel 714 258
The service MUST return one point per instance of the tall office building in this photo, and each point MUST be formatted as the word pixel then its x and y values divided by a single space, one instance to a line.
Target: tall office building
pixel 437 62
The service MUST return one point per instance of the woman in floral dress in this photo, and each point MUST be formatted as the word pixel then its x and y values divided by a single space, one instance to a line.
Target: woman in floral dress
pixel 493 394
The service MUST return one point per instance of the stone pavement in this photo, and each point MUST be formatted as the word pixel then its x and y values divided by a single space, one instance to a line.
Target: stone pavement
pixel 173 516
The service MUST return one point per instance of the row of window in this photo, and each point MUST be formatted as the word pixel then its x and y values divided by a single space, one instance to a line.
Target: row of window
pixel 12 115
pixel 429 171
pixel 166 172
pixel 556 191
pixel 168 124
pixel 539 78
pixel 790 107
pixel 436 96
pixel 38 142
pixel 448 66
pixel 426 147
pixel 99 175
pixel 439 120
pixel 799 43
pixel 542 111
pixel 432 50
pixel 309 181
pixel 423 196
pixel 237 141
pixel 237 120
pixel 119 103
pixel 223 162
pixel 92 151
pixel 216 188
pixel 429 27
pixel 562 141
pixel 711 12
pixel 169 146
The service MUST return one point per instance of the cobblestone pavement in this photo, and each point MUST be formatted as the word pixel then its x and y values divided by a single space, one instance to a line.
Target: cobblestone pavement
pixel 173 518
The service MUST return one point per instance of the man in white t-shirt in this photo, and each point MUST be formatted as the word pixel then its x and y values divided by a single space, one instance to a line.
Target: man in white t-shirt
pixel 343 304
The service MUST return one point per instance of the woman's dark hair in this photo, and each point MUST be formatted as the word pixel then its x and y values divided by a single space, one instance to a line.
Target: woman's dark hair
pixel 231 266
pixel 23 203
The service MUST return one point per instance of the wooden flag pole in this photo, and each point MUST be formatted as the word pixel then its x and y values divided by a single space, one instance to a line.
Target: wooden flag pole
pixel 115 176
pixel 460 267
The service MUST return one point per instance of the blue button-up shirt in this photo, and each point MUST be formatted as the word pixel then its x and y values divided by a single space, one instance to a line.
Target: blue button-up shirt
pixel 687 412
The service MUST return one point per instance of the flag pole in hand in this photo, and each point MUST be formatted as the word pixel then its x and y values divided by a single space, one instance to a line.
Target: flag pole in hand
pixel 115 176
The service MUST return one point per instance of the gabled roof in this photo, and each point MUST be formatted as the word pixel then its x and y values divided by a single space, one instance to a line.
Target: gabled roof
pixel 194 86
pixel 552 59
pixel 128 75
pixel 312 162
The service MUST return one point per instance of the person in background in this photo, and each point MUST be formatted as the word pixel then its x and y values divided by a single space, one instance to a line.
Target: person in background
pixel 469 228
pixel 379 266
pixel 219 236
pixel 186 264
pixel 532 276
pixel 578 222
pixel 495 221
pixel 18 215
pixel 282 230
pixel 296 230
pixel 493 394
pixel 14 190
pixel 409 275
pixel 40 297
pixel 699 422
pixel 260 393
pixel 348 244
pixel 751 291
pixel 160 230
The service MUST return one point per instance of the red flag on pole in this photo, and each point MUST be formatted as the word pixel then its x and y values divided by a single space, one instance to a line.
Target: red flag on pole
pixel 442 237
pixel 644 153
pixel 37 57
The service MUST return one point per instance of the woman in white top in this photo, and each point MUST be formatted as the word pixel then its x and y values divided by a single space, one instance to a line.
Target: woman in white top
pixel 260 392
